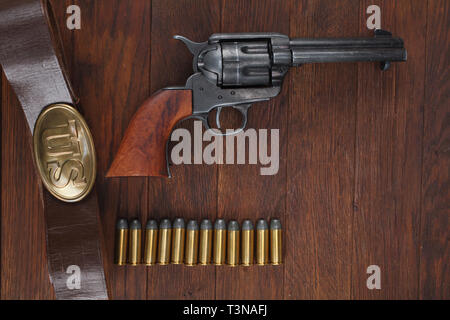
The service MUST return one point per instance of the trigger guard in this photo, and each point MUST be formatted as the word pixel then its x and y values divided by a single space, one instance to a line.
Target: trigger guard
pixel 243 109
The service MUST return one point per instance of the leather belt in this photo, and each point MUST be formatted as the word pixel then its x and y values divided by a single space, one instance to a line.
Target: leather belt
pixel 32 61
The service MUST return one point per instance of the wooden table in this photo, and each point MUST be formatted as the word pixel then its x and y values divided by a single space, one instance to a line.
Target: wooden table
pixel 364 155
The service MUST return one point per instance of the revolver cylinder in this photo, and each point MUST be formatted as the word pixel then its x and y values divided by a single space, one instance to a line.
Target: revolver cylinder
pixel 246 64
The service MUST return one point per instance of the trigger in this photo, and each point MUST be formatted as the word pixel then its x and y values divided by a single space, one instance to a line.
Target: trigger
pixel 219 111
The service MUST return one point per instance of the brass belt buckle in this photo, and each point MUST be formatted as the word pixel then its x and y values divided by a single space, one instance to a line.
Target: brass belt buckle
pixel 64 152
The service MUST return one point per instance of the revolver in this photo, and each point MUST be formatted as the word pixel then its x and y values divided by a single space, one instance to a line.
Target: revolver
pixel 234 70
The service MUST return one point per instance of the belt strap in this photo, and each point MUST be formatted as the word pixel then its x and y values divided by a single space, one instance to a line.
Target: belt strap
pixel 32 61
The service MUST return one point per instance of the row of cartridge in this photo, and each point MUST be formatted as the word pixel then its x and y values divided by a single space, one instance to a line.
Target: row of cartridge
pixel 191 244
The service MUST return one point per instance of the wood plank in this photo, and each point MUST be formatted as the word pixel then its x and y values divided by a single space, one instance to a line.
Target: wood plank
pixel 110 59
pixel 24 273
pixel 388 160
pixel 192 192
pixel 434 254
pixel 321 160
pixel 357 148
pixel 242 192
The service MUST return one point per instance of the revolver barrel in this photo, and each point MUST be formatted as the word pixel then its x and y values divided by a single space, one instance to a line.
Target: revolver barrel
pixel 380 48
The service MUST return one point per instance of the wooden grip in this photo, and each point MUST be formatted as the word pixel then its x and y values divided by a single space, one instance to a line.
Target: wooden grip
pixel 143 149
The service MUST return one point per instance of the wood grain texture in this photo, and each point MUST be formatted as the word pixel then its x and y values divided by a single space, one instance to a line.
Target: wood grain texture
pixel 142 152
pixel 243 193
pixel 110 73
pixel 388 162
pixel 192 192
pixel 434 253
pixel 321 160
pixel 363 175
pixel 23 259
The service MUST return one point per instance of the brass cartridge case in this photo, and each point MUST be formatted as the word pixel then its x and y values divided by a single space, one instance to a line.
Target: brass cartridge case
pixel 134 254
pixel 276 245
pixel 205 250
pixel 262 242
pixel 178 238
pixel 151 243
pixel 233 243
pixel 247 243
pixel 220 242
pixel 120 257
pixel 164 241
pixel 191 255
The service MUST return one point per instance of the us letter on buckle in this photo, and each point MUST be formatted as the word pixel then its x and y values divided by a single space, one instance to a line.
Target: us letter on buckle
pixel 64 153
